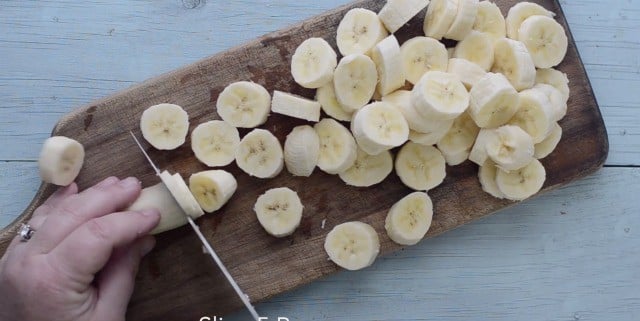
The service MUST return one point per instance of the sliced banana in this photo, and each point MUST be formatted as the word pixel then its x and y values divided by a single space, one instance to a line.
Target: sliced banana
pixel 433 137
pixel 212 189
pixel 279 211
pixel 338 149
pixel 457 158
pixel 352 245
pixel 386 55
pixel 465 18
pixel 494 101
pixel 535 114
pixel 546 40
pixel 396 13
pixel 60 161
pixel 401 99
pixel 457 143
pixel 368 170
pixel 468 72
pixel 313 62
pixel 476 47
pixel 422 54
pixel 378 127
pixel 439 18
pixel 521 11
pixel 556 98
pixel 440 95
pixel 244 104
pixel 215 142
pixel 420 167
pixel 487 176
pixel 490 20
pixel 260 154
pixel 478 152
pixel 510 147
pixel 409 219
pixel 512 59
pixel 301 151
pixel 159 198
pixel 549 144
pixel 181 193
pixel 359 31
pixel 165 126
pixel 555 78
pixel 295 106
pixel 521 184
pixel 326 96
pixel 355 81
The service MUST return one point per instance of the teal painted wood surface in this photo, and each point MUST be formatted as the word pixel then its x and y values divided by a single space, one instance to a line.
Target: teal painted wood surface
pixel 573 254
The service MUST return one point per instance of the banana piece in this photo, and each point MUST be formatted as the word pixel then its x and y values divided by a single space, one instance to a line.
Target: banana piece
pixel 422 54
pixel 457 158
pixel 326 96
pixel 510 147
pixel 431 138
pixel 556 99
pixel 493 102
pixel 490 20
pixel 355 80
pixel 165 126
pixel 420 167
pixel 279 211
pixel 546 40
pixel 244 104
pixel 456 144
pixel 487 176
pixel 439 18
pixel 181 193
pixel 295 106
pixel 159 198
pixel 212 189
pixel 368 170
pixel 260 154
pixel 519 13
pixel 468 72
pixel 215 142
pixel 478 152
pixel 535 114
pixel 338 149
pixel 409 219
pixel 450 52
pixel 396 13
pixel 301 151
pixel 440 95
pixel 60 161
pixel 352 245
pixel 359 31
pixel 549 144
pixel 378 127
pixel 401 99
pixel 512 59
pixel 313 62
pixel 555 78
pixel 465 18
pixel 521 184
pixel 476 47
pixel 386 55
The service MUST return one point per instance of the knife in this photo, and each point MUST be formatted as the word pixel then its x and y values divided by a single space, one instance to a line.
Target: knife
pixel 205 242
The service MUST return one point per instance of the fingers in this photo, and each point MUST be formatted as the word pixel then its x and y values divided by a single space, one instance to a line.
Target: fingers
pixel 40 214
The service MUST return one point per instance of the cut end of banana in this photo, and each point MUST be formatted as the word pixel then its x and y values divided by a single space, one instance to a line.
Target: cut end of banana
pixel 487 176
pixel 549 144
pixel 279 211
pixel 378 127
pixel 212 189
pixel 490 20
pixel 165 126
pixel 215 142
pixel 368 170
pixel 494 101
pixel 60 161
pixel 545 39
pixel 420 167
pixel 181 193
pixel 512 59
pixel 523 183
pixel 301 151
pixel 409 220
pixel 260 154
pixel 422 54
pixel 519 13
pixel 355 81
pixel 295 106
pixel 396 13
pixel 386 55
pixel 476 47
pixel 510 147
pixel 352 245
pixel 440 95
pixel 159 198
pixel 464 20
pixel 326 96
pixel 338 149
pixel 244 104
pixel 440 17
pixel 359 31
pixel 313 63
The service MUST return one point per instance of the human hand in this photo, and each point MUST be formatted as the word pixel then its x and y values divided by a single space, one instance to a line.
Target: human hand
pixel 82 260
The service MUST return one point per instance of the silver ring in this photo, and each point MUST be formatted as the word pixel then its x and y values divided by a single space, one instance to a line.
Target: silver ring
pixel 25 232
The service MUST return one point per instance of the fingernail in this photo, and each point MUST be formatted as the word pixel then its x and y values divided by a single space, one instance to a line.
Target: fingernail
pixel 108 181
pixel 130 182
pixel 148 245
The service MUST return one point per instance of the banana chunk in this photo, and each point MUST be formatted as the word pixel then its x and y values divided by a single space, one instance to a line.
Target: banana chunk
pixel 510 147
pixel 401 99
pixel 326 96
pixel 512 59
pixel 545 39
pixel 386 55
pixel 165 126
pixel 456 144
pixel 422 54
pixel 440 95
pixel 494 101
pixel 260 154
pixel 556 98
pixel 352 245
pixel 368 170
pixel 212 189
pixel 549 144
pixel 490 20
pixel 279 211
pixel 535 114
pixel 555 78
pixel 396 13
pixel 295 106
pixel 519 13
pixel 439 18
pixel 359 31
pixel 215 142
pixel 60 161
pixel 468 72
pixel 465 18
pixel 313 63
pixel 521 184
pixel 420 167
pixel 181 193
pixel 302 151
pixel 476 47
pixel 378 127
pixel 338 149
pixel 487 176
pixel 244 104
pixel 409 219
pixel 355 81
pixel 159 198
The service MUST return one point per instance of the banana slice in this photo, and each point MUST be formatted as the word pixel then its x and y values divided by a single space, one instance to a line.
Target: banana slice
pixel 439 18
pixel 338 149
pixel 212 189
pixel 355 81
pixel 295 106
pixel 476 47
pixel 215 142
pixel 465 18
pixel 490 20
pixel 352 245
pixel 549 144
pixel 487 176
pixel 244 104
pixel 368 170
pixel 512 59
pixel 519 13
pixel 60 161
pixel 386 56
pixel 181 193
pixel 439 95
pixel 401 99
pixel 422 54
pixel 396 13
pixel 420 167
pixel 313 63
pixel 535 114
pixel 478 152
pixel 546 40
pixel 260 154
pixel 409 219
pixel 433 137
pixel 556 99
pixel 457 158
pixel 165 126
pixel 468 72
pixel 494 101
pixel 378 127
pixel 359 31
pixel 159 198
pixel 326 96
pixel 301 151
pixel 456 144
pixel 521 184
pixel 279 211
pixel 555 78
pixel 510 147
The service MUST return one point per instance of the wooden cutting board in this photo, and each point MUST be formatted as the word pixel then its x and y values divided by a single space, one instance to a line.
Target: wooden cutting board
pixel 177 281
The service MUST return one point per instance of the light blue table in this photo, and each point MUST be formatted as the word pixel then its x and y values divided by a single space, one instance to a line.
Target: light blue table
pixel 573 254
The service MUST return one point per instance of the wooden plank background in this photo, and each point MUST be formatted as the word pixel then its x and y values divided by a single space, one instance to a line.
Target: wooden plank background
pixel 572 254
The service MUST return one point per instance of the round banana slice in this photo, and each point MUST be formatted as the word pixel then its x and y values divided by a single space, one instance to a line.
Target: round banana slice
pixel 60 161
pixel 420 167
pixel 519 13
pixel 422 54
pixel 494 101
pixel 465 18
pixel 313 62
pixel 215 142
pixel 212 189
pixel 556 99
pixel 409 219
pixel 326 96
pixel 181 193
pixel 440 95
pixel 338 149
pixel 368 170
pixel 165 126
pixel 457 158
pixel 295 106
pixel 440 17
pixel 352 245
pixel 159 198
pixel 396 13
pixel 512 59
pixel 555 78
pixel 401 99
pixel 355 81
pixel 432 138
pixel 546 40
pixel 244 104
pixel 535 114
pixel 468 72
pixel 549 144
pixel 260 154
pixel 490 20
pixel 359 31
pixel 487 176
pixel 378 127
pixel 510 147
pixel 521 184
pixel 302 151
pixel 476 47
pixel 386 55
pixel 478 153
pixel 457 143
pixel 279 211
